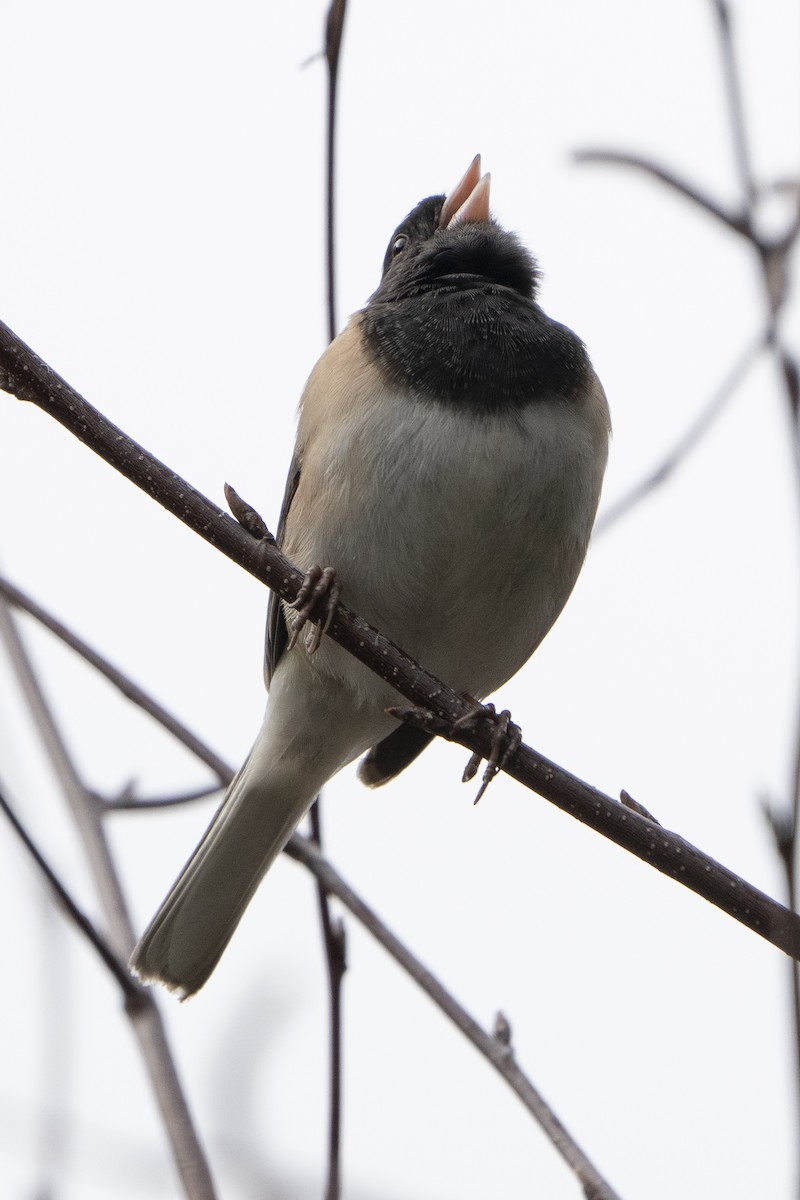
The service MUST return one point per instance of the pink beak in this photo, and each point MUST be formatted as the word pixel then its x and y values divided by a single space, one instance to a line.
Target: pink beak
pixel 469 199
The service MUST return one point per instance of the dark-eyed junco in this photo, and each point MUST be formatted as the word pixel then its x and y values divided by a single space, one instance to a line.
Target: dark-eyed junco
pixel 450 453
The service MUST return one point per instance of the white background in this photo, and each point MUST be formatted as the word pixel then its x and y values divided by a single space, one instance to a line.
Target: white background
pixel 161 242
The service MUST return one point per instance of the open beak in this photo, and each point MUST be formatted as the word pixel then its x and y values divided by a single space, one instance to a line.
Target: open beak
pixel 469 199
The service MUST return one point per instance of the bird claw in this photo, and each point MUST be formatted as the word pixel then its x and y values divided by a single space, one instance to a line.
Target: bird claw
pixel 320 590
pixel 506 739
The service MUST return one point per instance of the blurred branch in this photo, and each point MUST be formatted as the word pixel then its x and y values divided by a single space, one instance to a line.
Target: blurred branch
pixel 133 992
pixel 143 1013
pixel 494 1049
pixel 52 1151
pixel 782 824
pixel 733 91
pixel 773 254
pixel 619 158
pixel 19 599
pixel 335 943
pixel 689 439
pixel 439 707
pixel 774 257
pixel 128 801
pixel 309 854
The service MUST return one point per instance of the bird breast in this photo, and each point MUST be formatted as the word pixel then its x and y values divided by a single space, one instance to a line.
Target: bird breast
pixel 459 535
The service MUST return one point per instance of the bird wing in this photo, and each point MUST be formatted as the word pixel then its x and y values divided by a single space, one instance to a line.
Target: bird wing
pixel 277 636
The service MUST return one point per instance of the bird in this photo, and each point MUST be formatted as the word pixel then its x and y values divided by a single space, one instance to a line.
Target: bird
pixel 451 447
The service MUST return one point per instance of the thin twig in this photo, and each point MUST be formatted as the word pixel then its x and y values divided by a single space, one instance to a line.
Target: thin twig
pixel 687 441
pixel 738 222
pixel 134 994
pixel 328 878
pixel 19 599
pixel 773 255
pixel 490 1047
pixel 129 802
pixel 335 944
pixel 143 1015
pixel 784 831
pixel 733 90
pixel 52 1152
pixel 334 28
pixel 665 851
pixel 333 931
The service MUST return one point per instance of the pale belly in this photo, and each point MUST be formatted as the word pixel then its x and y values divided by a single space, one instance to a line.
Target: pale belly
pixel 460 539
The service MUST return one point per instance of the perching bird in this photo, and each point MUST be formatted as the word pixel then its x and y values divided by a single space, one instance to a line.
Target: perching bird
pixel 450 453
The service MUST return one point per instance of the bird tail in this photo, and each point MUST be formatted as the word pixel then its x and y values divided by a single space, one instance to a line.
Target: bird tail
pixel 294 755
pixel 184 941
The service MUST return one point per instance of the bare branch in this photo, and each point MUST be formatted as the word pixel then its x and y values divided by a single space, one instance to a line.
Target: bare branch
pixel 665 851
pixel 333 931
pixel 310 854
pixel 738 222
pixel 133 992
pixel 782 824
pixel 334 30
pixel 668 852
pixel 143 1014
pixel 491 1047
pixel 774 258
pixel 128 801
pixel 775 272
pixel 688 441
pixel 19 599
pixel 733 89
pixel 335 944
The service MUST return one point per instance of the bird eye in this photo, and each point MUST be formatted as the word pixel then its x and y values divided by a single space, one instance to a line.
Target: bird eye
pixel 399 244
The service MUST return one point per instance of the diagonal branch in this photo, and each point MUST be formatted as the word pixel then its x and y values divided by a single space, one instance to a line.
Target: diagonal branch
pixel 492 1048
pixel 144 1015
pixel 309 853
pixel 738 222
pixel 128 801
pixel 133 992
pixel 670 854
pixel 688 440
pixel 131 691
pixel 774 258
pixel 773 255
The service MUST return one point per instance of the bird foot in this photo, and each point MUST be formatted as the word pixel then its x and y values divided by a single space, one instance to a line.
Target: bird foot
pixel 316 601
pixel 506 739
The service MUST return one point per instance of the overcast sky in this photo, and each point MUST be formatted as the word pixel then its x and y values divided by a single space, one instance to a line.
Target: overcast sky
pixel 162 247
